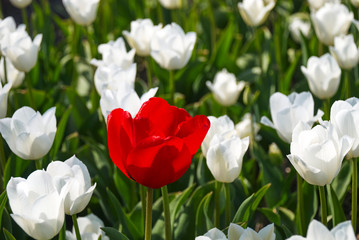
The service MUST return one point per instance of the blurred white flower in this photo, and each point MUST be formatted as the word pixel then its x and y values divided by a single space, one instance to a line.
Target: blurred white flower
pixel 20 49
pixel 255 12
pixel 20 3
pixel 28 134
pixel 345 51
pixel 7 26
pixel 171 47
pixel 316 4
pixel 355 3
pixel 14 76
pixel 225 150
pixel 344 115
pixel 323 75
pixel 236 232
pixel 331 20
pixel 316 230
pixel 114 53
pixel 299 26
pixel 110 77
pixel 36 205
pixel 72 180
pixel 286 112
pixel 171 4
pixel 140 36
pixel 83 12
pixel 89 227
pixel 244 127
pixel 4 92
pixel 225 87
pixel 213 234
pixel 124 97
pixel 317 153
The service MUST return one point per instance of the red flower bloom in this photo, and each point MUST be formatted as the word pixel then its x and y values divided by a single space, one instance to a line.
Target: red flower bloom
pixel 156 147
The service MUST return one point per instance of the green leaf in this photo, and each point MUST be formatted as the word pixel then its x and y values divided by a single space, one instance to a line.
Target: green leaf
pixel 8 235
pixel 335 207
pixel 60 133
pixel 3 200
pixel 112 233
pixel 179 202
pixel 203 221
pixel 271 215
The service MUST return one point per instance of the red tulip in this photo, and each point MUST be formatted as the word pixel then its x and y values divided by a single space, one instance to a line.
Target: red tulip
pixel 156 147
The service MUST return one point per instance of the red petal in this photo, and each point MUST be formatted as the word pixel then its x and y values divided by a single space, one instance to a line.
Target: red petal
pixel 193 132
pixel 157 118
pixel 156 162
pixel 120 134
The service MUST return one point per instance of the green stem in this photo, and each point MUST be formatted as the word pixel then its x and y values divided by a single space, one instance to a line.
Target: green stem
pixel 2 162
pixel 38 164
pixel 172 87
pixel 166 208
pixel 149 74
pixel 217 210
pixel 62 234
pixel 347 84
pixel 25 19
pixel 228 203
pixel 354 192
pixel 90 39
pixel 76 226
pixel 5 70
pixel 323 205
pixel 143 202
pixel 326 106
pixel 29 87
pixel 148 225
pixel 1 14
pixel 300 207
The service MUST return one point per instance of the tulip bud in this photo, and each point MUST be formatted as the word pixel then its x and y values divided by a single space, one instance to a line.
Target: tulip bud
pixel 14 76
pixel 20 49
pixel 213 234
pixel 244 127
pixel 275 154
pixel 225 88
pixel 142 32
pixel 36 205
pixel 28 134
pixel 345 51
pixel 171 4
pixel 298 26
pixel 7 26
pixel 355 3
pixel 89 227
pixel 331 20
pixel 171 48
pixel 4 92
pixel 83 12
pixel 317 153
pixel 20 3
pixel 235 231
pixel 255 12
pixel 323 75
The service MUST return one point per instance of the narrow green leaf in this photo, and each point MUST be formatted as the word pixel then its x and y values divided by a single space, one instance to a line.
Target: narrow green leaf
pixel 271 215
pixel 203 222
pixel 112 233
pixel 60 133
pixel 8 235
pixel 180 200
pixel 335 207
pixel 3 200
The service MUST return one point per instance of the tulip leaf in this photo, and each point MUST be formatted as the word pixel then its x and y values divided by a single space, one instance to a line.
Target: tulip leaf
pixel 203 221
pixel 342 181
pixel 179 202
pixel 271 215
pixel 335 207
pixel 3 200
pixel 112 233
pixel 8 235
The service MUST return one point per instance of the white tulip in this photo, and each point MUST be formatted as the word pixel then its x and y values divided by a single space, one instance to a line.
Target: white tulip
pixel 110 77
pixel 72 180
pixel 36 205
pixel 171 4
pixel 171 47
pixel 355 3
pixel 4 92
pixel 225 87
pixel 236 232
pixel 7 26
pixel 142 32
pixel 344 115
pixel 83 12
pixel 244 127
pixel 316 4
pixel 323 75
pixel 28 134
pixel 298 26
pixel 345 51
pixel 114 53
pixel 316 230
pixel 20 3
pixel 331 20
pixel 317 153
pixel 255 12
pixel 14 76
pixel 89 227
pixel 20 49
pixel 124 97
pixel 213 234
pixel 287 112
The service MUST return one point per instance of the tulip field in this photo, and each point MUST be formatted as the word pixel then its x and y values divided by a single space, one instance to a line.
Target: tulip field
pixel 179 119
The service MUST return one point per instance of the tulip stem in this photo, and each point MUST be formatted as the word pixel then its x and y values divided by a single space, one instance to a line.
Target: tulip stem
pixel 166 208
pixel 354 192
pixel 148 71
pixel 347 84
pixel 148 225
pixel 326 106
pixel 323 205
pixel 25 18
pixel 76 226
pixel 143 202
pixel 300 207
pixel 5 71
pixel 2 162
pixel 38 164
pixel 172 87
pixel 29 88
pixel 217 210
pixel 90 39
pixel 228 203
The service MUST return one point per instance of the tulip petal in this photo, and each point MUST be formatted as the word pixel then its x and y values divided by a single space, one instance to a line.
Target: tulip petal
pixel 235 231
pixel 267 233
pixel 343 230
pixel 82 201
pixel 156 162
pixel 317 230
pixel 120 134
